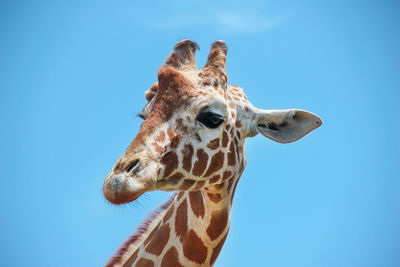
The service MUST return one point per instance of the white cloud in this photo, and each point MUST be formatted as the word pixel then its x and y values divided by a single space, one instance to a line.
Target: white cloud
pixel 228 21
pixel 176 22
pixel 248 22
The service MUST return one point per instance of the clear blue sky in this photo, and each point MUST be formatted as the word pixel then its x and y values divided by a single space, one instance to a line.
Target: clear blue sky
pixel 72 79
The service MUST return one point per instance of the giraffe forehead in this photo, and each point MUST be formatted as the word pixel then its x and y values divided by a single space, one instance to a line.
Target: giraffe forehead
pixel 213 100
pixel 210 103
pixel 182 92
pixel 189 98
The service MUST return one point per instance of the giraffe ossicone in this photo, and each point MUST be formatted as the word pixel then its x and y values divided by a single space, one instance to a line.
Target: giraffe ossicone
pixel 192 141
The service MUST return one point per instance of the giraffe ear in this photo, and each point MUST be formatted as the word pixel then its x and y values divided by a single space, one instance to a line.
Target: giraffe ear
pixel 285 126
pixel 150 94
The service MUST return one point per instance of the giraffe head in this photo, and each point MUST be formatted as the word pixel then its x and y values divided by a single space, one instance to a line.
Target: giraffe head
pixel 194 129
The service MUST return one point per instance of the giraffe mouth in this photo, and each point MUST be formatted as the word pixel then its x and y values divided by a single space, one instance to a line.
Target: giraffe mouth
pixel 122 188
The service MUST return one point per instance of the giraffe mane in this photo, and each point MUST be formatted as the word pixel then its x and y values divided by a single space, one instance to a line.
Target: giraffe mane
pixel 140 231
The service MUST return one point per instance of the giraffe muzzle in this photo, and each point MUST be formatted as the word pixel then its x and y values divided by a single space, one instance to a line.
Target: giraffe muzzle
pixel 122 188
pixel 125 184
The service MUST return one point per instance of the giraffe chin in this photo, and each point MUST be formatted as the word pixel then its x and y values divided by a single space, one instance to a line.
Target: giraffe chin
pixel 122 188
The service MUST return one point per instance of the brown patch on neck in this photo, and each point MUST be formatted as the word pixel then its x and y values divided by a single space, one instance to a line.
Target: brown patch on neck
pixel 218 223
pixel 194 248
pixel 159 240
pixel 171 259
pixel 181 220
pixel 197 203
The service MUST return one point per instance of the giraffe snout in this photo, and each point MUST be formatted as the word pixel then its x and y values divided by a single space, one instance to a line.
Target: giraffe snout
pixel 129 179
pixel 122 188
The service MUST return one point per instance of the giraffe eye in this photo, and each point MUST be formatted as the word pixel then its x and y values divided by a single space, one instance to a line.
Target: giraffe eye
pixel 210 119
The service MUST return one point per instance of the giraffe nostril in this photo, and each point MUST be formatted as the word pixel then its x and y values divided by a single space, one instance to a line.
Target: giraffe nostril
pixel 132 165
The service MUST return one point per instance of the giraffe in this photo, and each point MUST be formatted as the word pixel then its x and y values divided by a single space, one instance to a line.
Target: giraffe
pixel 192 141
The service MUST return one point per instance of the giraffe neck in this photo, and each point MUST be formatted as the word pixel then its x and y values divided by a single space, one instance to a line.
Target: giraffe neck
pixel 189 230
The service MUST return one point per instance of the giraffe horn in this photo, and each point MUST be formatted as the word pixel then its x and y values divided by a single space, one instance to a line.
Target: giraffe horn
pixel 183 55
pixel 216 60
